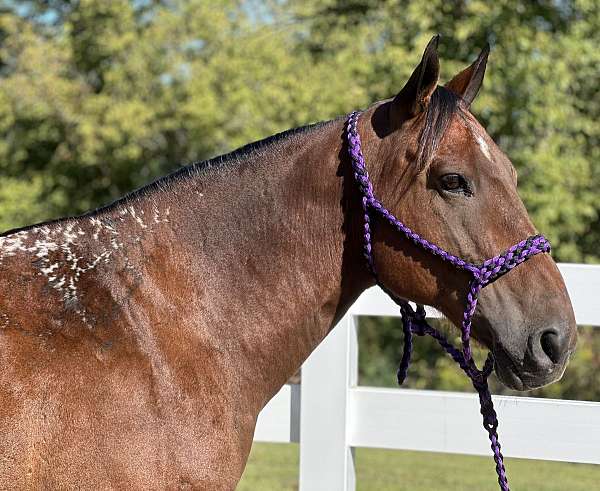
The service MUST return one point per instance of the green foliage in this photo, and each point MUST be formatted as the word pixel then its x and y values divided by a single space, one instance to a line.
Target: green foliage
pixel 98 98
pixel 380 350
pixel 113 94
pixel 539 100
pixel 20 200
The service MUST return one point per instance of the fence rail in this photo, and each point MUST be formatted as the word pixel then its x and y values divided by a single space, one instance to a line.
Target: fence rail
pixel 330 414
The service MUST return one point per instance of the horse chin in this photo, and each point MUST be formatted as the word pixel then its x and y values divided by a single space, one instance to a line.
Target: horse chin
pixel 515 378
pixel 508 375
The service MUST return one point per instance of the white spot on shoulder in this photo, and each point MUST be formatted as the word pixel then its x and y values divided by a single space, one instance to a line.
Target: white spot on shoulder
pixel 161 217
pixel 46 271
pixel 136 217
pixel 64 254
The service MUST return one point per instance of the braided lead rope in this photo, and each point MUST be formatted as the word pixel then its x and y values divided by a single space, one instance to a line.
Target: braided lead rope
pixel 418 325
pixel 414 322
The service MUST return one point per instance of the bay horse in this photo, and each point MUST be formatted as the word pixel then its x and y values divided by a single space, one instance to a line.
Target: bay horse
pixel 139 342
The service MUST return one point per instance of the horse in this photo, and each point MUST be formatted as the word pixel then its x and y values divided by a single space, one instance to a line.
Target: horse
pixel 139 341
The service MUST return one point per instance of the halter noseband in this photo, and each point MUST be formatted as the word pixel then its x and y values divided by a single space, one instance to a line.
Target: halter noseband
pixel 413 321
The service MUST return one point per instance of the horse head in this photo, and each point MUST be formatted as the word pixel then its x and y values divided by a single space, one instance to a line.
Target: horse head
pixel 436 167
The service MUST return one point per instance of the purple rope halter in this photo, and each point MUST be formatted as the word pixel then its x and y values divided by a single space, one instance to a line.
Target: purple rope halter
pixel 413 321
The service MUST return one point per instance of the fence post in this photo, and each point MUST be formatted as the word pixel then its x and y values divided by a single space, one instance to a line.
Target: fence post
pixel 326 459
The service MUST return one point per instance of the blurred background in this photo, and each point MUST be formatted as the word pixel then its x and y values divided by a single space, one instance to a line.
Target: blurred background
pixel 99 97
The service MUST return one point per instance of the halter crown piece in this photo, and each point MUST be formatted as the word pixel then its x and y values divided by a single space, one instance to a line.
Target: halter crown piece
pixel 413 321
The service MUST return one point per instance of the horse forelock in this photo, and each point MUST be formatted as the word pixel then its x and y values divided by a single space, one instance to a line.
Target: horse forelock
pixel 443 106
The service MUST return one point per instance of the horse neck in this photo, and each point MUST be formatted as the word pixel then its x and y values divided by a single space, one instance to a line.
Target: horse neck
pixel 272 255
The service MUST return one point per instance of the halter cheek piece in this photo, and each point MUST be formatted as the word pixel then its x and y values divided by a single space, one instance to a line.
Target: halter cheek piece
pixel 413 321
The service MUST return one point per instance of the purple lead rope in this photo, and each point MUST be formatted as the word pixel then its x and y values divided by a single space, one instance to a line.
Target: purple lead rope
pixel 414 321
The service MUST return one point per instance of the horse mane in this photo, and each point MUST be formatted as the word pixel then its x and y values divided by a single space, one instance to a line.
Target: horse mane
pixel 215 164
pixel 443 106
pixel 194 169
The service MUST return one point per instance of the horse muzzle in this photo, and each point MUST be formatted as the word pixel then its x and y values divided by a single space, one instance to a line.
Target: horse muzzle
pixel 544 360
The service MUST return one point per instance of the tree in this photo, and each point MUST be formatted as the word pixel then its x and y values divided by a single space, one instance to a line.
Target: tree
pixel 102 98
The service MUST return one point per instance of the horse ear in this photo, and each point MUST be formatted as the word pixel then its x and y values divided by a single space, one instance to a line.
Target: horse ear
pixel 468 82
pixel 414 96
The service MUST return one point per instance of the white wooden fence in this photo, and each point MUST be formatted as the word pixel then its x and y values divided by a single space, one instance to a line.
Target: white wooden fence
pixel 330 415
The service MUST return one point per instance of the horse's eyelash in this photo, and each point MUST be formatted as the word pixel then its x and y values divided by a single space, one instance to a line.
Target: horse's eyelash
pixel 468 191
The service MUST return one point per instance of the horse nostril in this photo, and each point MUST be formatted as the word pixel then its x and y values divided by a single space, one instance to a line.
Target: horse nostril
pixel 552 345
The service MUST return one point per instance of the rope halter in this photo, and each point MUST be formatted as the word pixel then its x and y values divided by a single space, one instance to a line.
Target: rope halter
pixel 414 321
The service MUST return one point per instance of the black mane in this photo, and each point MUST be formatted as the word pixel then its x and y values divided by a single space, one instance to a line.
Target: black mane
pixel 442 107
pixel 194 169
pixel 219 162
pixel 444 104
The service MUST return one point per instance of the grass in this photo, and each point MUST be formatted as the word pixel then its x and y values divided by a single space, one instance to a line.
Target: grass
pixel 274 467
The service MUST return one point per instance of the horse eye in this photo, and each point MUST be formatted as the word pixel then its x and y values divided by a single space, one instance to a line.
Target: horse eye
pixel 455 183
